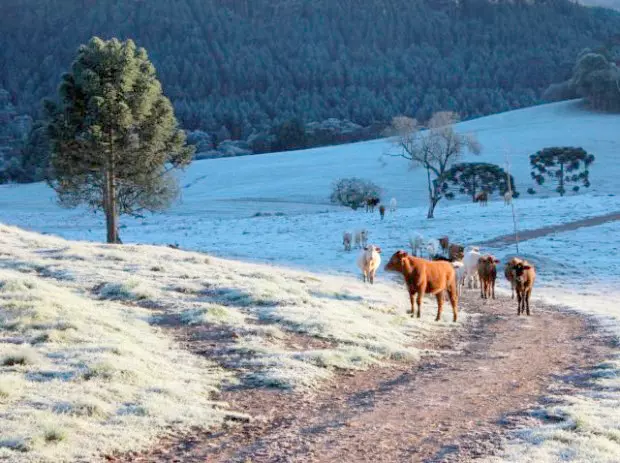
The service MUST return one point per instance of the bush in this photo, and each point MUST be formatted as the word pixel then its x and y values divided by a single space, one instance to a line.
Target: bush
pixel 353 192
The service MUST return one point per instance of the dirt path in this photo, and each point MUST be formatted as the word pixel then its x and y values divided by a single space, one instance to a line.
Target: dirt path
pixel 447 408
pixel 525 235
pixel 451 408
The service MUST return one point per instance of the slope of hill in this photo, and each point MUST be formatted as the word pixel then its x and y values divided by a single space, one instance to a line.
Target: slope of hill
pixel 88 366
pixel 300 182
pixel 250 64
pixel 612 4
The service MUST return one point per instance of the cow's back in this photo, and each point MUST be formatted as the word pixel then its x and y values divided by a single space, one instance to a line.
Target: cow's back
pixel 439 274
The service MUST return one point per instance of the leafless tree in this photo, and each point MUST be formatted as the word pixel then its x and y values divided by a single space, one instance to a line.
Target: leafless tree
pixel 434 147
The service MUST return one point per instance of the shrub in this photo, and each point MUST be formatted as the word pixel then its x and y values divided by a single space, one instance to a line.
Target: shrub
pixel 353 192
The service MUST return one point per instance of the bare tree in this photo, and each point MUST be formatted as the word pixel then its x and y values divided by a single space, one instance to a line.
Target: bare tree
pixel 435 148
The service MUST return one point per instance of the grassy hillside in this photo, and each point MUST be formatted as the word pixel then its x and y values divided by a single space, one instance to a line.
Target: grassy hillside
pixel 87 360
pixel 248 65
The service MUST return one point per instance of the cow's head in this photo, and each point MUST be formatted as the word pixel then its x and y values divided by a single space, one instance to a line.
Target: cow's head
pixel 396 262
pixel 520 270
pixel 372 247
pixel 488 261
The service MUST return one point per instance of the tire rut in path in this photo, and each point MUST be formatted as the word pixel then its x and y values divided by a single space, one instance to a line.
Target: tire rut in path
pixel 525 235
pixel 445 408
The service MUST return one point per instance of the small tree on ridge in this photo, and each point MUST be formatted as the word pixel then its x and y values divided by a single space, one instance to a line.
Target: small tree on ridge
pixel 561 166
pixel 470 178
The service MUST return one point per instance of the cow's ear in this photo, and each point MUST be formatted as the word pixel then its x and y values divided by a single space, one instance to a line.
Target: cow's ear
pixel 527 267
pixel 378 249
pixel 497 261
pixel 365 248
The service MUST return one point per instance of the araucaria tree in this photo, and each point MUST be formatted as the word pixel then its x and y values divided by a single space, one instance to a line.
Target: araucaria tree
pixel 471 178
pixel 435 149
pixel 561 166
pixel 115 140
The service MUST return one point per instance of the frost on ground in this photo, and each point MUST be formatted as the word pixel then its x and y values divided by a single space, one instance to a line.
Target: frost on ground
pixel 580 270
pixel 314 241
pixel 84 371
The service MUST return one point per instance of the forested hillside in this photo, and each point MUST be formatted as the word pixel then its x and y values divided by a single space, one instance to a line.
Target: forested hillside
pixel 251 64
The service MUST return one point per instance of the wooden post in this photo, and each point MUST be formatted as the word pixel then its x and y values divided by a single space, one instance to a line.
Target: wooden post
pixel 512 204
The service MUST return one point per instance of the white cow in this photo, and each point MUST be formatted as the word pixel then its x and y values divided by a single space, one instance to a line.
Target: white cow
pixel 393 205
pixel 470 263
pixel 368 261
pixel 416 241
pixel 361 238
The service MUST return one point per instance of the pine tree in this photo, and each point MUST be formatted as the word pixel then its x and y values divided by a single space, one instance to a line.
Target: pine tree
pixel 114 136
pixel 470 178
pixel 561 166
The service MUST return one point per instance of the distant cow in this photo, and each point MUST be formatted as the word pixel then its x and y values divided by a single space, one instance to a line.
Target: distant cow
pixel 482 198
pixel 459 268
pixel 382 211
pixel 371 203
pixel 361 238
pixel 444 243
pixel 393 205
pixel 369 261
pixel 470 260
pixel 456 252
pixel 432 247
pixel 487 272
pixel 422 277
pixel 416 241
pixel 524 277
pixel 507 198
pixel 347 239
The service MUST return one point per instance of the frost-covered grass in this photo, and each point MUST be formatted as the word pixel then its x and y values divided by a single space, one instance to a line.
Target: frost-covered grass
pixel 80 376
pixel 85 370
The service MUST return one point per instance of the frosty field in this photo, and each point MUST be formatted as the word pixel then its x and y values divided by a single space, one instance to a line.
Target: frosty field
pixel 270 215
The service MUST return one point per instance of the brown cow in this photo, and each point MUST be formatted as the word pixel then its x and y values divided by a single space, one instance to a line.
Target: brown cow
pixel 509 273
pixel 487 272
pixel 482 198
pixel 371 203
pixel 524 277
pixel 382 211
pixel 456 252
pixel 423 276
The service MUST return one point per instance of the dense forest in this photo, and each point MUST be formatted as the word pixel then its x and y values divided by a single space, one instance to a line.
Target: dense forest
pixel 243 67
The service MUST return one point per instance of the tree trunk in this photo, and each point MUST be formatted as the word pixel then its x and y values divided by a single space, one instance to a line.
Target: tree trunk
pixel 110 203
pixel 111 215
pixel 562 179
pixel 431 198
pixel 431 208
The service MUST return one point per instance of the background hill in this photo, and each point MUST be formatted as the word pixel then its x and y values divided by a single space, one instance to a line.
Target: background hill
pixel 300 182
pixel 613 4
pixel 247 65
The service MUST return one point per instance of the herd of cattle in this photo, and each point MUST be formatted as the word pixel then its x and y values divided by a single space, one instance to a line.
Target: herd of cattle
pixel 447 268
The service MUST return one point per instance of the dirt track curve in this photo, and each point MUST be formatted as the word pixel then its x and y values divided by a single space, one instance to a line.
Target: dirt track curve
pixel 451 408
pixel 525 235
